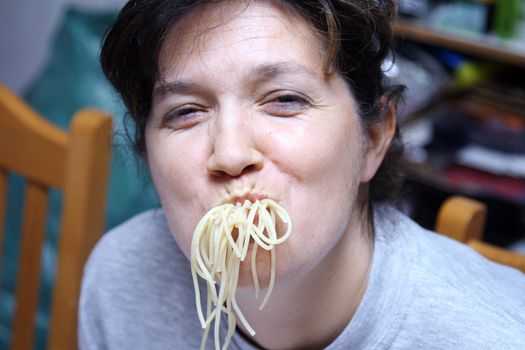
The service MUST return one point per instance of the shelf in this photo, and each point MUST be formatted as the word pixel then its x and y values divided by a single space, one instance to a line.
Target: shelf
pixel 482 46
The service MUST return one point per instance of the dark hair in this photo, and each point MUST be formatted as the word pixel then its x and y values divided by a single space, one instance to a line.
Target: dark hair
pixel 358 36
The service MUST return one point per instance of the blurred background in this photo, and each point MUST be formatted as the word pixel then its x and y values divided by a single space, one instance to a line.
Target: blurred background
pixel 462 118
pixel 27 29
pixel 49 56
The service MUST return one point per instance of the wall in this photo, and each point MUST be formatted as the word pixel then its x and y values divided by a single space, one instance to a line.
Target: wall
pixel 26 29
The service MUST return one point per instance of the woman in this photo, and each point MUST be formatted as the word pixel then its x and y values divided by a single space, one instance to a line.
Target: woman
pixel 281 100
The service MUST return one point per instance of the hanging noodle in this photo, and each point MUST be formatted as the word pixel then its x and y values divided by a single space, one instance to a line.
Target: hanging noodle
pixel 216 255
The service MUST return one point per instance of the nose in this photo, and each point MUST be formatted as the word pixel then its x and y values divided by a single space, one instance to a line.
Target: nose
pixel 234 150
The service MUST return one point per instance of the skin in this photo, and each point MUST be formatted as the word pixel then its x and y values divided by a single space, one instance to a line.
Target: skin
pixel 244 102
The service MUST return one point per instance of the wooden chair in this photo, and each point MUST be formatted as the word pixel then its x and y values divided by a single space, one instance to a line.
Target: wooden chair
pixel 75 163
pixel 463 219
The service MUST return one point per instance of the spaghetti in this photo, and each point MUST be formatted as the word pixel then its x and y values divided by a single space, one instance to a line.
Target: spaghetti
pixel 220 243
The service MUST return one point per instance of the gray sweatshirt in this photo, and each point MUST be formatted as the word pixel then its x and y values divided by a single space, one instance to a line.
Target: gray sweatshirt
pixel 424 292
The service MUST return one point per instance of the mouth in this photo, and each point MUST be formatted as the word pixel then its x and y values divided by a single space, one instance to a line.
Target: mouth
pixel 251 197
pixel 240 196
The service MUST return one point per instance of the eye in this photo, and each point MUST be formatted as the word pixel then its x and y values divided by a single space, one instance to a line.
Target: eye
pixel 184 116
pixel 285 103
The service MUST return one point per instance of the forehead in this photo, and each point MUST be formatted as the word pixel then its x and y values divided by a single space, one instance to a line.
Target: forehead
pixel 228 32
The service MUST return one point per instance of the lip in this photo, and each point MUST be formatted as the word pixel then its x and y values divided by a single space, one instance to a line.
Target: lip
pixel 241 198
pixel 237 192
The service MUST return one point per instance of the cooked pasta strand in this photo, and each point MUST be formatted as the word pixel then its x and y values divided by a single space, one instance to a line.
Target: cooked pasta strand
pixel 220 243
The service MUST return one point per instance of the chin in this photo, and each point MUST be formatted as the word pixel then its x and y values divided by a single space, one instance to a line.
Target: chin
pixel 263 268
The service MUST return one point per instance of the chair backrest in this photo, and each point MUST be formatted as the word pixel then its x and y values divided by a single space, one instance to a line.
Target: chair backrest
pixel 463 219
pixel 75 163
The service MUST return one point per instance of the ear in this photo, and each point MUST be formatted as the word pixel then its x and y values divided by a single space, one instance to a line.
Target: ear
pixel 380 136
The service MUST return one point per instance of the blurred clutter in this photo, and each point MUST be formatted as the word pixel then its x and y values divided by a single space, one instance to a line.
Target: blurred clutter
pixel 504 19
pixel 463 117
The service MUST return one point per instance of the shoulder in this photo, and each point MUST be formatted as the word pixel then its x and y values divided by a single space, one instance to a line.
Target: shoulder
pixel 466 272
pixel 457 294
pixel 137 289
pixel 141 228
pixel 142 242
pixel 439 258
pixel 140 248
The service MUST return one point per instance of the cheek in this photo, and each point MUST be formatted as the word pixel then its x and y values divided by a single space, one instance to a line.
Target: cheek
pixel 318 152
pixel 173 161
pixel 324 161
pixel 173 165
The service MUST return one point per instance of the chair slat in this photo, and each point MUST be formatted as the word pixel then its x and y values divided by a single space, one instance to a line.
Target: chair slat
pixel 83 221
pixel 77 164
pixel 499 255
pixel 29 145
pixel 3 208
pixel 461 218
pixel 33 229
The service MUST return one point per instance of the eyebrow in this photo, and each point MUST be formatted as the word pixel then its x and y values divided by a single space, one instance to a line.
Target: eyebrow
pixel 173 88
pixel 272 70
pixel 265 71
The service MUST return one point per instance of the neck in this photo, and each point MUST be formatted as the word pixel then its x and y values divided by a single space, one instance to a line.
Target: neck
pixel 312 310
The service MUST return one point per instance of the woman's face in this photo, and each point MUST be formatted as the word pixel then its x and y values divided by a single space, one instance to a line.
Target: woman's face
pixel 244 109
